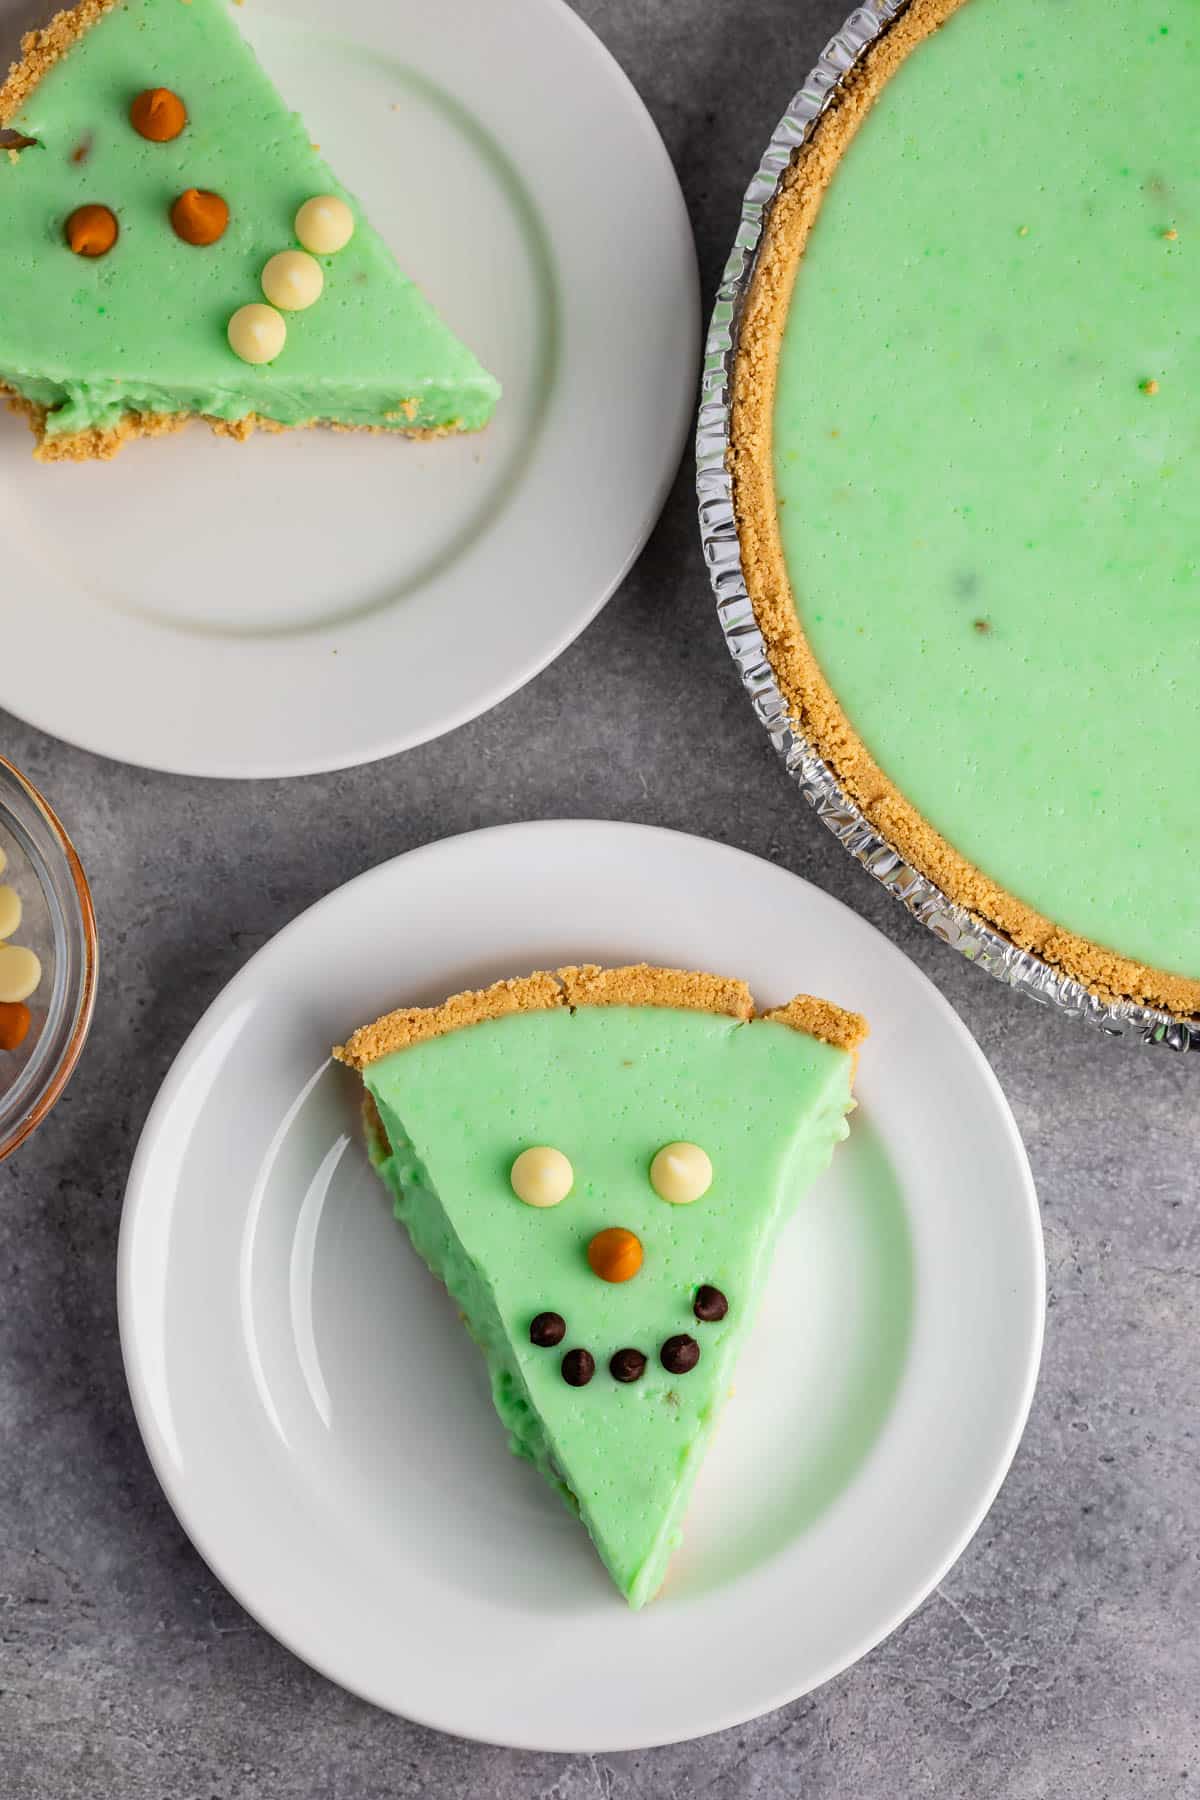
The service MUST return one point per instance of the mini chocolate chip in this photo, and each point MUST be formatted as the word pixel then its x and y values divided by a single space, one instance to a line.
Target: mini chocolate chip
pixel 710 1304
pixel 547 1330
pixel 627 1365
pixel 578 1367
pixel 679 1354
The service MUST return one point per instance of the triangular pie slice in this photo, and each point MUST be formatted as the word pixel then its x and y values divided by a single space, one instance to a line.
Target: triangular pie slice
pixel 606 1068
pixel 103 340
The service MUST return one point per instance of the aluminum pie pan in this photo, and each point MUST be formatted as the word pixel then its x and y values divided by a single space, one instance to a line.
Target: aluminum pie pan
pixel 953 924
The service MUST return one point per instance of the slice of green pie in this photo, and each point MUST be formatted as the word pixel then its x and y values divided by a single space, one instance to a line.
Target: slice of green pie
pixel 597 1164
pixel 152 174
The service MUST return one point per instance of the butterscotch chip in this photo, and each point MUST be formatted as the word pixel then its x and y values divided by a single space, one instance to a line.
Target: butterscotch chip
pixel 199 216
pixel 615 1255
pixel 158 114
pixel 91 230
pixel 15 1020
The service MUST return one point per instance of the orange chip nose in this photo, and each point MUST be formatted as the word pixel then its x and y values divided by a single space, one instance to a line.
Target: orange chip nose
pixel 615 1254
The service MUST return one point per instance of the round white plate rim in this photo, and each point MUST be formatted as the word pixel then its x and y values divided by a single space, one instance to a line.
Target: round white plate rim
pixel 138 1195
pixel 384 733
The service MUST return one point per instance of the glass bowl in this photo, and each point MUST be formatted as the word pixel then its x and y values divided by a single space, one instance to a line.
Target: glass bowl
pixel 59 924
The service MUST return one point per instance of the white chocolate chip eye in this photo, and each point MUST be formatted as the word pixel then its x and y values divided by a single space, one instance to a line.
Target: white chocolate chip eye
pixel 680 1173
pixel 541 1176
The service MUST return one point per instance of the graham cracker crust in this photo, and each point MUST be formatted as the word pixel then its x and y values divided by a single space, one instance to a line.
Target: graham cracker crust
pixel 374 1131
pixel 101 444
pixel 41 49
pixel 640 984
pixel 814 707
pixel 637 984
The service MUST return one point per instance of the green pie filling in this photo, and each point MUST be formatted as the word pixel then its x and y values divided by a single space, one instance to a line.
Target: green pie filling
pixel 991 524
pixel 608 1086
pixel 142 329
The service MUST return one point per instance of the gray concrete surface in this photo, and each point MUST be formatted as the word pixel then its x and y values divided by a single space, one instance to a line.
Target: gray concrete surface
pixel 1058 1659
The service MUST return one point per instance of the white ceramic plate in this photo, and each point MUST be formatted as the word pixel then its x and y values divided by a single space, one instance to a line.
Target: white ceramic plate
pixel 321 1423
pixel 313 601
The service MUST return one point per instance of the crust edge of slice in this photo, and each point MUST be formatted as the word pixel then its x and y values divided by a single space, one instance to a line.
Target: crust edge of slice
pixel 590 984
pixel 100 443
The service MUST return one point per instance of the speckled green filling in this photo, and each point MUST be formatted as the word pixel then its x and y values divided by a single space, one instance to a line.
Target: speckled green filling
pixel 991 524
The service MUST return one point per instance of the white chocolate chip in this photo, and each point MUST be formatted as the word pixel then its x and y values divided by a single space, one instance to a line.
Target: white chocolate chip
pixel 257 333
pixel 292 279
pixel 20 972
pixel 541 1176
pixel 325 224
pixel 10 911
pixel 680 1173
